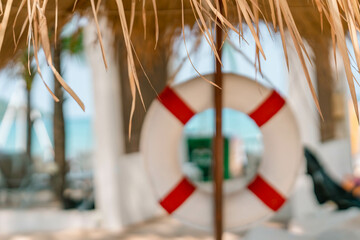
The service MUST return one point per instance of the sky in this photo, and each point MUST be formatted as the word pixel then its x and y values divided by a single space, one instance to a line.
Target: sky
pixel 76 72
pixel 273 68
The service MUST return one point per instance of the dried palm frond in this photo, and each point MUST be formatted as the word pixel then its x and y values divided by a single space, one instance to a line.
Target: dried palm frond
pixel 160 21
pixel 4 22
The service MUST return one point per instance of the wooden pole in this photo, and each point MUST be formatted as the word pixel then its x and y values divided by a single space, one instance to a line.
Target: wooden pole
pixel 59 129
pixel 218 142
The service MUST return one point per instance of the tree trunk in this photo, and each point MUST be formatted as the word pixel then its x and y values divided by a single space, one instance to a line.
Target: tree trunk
pixel 59 130
pixel 325 86
pixel 28 125
pixel 158 74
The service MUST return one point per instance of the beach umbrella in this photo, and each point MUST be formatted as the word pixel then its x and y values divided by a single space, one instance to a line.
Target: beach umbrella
pixel 37 23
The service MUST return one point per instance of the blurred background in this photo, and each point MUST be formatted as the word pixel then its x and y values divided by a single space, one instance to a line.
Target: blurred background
pixel 65 173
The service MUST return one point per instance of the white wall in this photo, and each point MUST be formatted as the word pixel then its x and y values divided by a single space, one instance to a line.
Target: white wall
pixel 138 202
pixel 123 194
pixel 46 220
pixel 335 154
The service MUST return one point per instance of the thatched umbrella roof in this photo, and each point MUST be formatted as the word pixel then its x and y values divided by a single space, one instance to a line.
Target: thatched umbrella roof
pixel 163 20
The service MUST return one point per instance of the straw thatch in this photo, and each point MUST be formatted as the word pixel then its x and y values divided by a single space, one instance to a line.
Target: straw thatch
pixel 148 23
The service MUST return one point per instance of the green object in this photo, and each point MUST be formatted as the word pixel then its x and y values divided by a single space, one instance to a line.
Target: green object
pixel 200 153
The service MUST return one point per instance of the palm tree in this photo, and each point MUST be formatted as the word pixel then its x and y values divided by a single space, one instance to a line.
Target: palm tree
pixel 28 73
pixel 73 46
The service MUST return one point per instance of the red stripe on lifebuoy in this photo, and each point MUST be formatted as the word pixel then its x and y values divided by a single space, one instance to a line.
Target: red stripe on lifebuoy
pixel 267 109
pixel 176 105
pixel 266 193
pixel 178 195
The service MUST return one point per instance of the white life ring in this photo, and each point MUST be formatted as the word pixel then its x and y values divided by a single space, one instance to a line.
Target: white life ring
pixel 266 193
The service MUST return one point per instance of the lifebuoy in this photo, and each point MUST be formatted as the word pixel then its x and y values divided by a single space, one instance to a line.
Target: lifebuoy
pixel 266 193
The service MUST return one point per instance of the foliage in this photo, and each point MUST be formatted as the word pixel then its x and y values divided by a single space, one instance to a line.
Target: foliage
pixel 73 44
pixel 28 68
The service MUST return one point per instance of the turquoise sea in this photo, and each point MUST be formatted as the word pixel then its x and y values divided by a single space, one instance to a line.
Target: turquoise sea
pixel 78 133
pixel 235 125
pixel 80 136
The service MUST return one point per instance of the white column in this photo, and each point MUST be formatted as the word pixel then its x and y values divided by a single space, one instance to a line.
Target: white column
pixel 107 126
